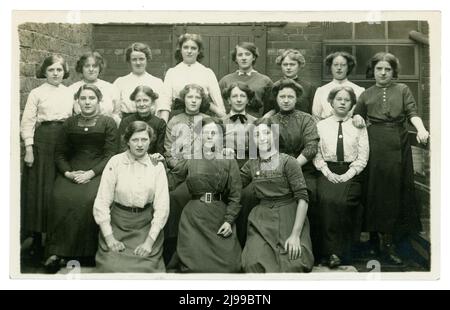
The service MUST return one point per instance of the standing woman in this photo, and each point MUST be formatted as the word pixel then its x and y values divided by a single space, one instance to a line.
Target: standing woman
pixel 245 55
pixel 47 107
pixel 138 55
pixel 391 209
pixel 291 62
pixel 342 156
pixel 144 97
pixel 87 143
pixel 340 64
pixel 278 229
pixel 207 240
pixel 90 65
pixel 190 71
pixel 131 207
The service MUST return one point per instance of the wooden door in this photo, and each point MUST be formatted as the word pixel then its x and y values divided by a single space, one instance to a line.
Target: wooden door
pixel 220 40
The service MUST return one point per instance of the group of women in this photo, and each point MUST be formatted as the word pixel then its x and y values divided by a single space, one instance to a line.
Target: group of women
pixel 192 174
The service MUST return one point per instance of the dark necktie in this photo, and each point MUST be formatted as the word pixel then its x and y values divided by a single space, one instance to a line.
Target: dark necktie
pixel 340 144
pixel 242 118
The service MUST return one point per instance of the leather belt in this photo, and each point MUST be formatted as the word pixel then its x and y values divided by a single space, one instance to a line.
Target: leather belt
pixel 132 209
pixel 208 197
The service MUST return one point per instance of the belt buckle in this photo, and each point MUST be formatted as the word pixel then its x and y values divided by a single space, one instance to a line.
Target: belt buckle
pixel 134 210
pixel 208 197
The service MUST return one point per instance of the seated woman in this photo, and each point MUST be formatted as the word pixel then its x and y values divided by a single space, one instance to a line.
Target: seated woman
pixel 207 240
pixel 144 97
pixel 291 62
pixel 278 229
pixel 132 207
pixel 87 143
pixel 238 95
pixel 342 156
pixel 245 55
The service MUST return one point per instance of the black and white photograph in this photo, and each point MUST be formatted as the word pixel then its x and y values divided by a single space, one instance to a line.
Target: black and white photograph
pixel 225 145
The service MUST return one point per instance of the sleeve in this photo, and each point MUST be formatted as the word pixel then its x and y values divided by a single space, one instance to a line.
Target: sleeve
pixel 266 97
pixel 363 152
pixel 214 91
pixel 311 97
pixel 361 108
pixel 76 107
pixel 168 141
pixel 294 175
pixel 234 189
pixel 160 137
pixel 115 96
pixel 164 101
pixel 409 103
pixel 168 86
pixel 105 197
pixel 160 203
pixel 120 132
pixel 318 160
pixel 110 146
pixel 178 174
pixel 63 149
pixel 311 138
pixel 317 104
pixel 117 84
pixel 246 174
pixel 29 118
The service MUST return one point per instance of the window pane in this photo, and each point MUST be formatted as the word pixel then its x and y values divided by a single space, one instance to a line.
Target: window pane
pixel 401 29
pixel 405 55
pixel 369 31
pixel 363 55
pixel 336 31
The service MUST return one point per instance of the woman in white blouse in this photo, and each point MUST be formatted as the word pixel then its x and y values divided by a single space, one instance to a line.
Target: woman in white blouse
pixel 342 156
pixel 340 64
pixel 132 207
pixel 90 65
pixel 138 55
pixel 189 71
pixel 47 107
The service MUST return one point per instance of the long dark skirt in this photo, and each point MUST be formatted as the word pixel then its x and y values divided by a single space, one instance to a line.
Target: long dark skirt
pixel 132 229
pixel 200 248
pixel 390 200
pixel 269 225
pixel 248 202
pixel 39 179
pixel 72 229
pixel 338 207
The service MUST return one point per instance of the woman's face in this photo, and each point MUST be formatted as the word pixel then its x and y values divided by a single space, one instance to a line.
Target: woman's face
pixel 138 62
pixel 88 102
pixel 91 70
pixel 238 100
pixel 139 143
pixel 383 73
pixel 244 58
pixel 193 101
pixel 263 137
pixel 211 136
pixel 55 74
pixel 189 51
pixel 144 104
pixel 339 68
pixel 289 67
pixel 286 99
pixel 342 103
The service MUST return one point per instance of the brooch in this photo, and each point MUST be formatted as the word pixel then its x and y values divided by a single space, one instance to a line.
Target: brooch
pixel 257 173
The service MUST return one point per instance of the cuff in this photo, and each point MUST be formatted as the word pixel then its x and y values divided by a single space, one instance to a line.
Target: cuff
pixel 106 228
pixel 154 232
pixel 325 170
pixel 28 141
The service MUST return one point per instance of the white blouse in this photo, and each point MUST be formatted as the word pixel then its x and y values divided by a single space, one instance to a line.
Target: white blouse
pixel 356 144
pixel 132 183
pixel 110 104
pixel 321 108
pixel 45 103
pixel 182 74
pixel 128 83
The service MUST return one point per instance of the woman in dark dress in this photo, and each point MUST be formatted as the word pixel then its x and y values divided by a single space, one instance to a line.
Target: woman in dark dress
pixel 278 229
pixel 391 208
pixel 207 240
pixel 291 62
pixel 342 157
pixel 87 143
pixel 144 97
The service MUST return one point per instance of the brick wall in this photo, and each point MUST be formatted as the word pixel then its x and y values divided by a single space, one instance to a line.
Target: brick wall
pixel 112 41
pixel 38 41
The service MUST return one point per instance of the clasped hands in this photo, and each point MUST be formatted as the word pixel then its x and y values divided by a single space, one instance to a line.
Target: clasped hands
pixel 144 249
pixel 80 176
